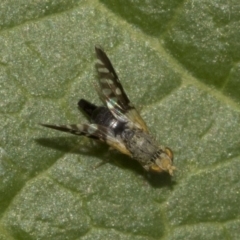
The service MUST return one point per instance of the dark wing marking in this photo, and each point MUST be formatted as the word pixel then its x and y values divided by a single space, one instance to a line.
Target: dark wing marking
pixel 93 131
pixel 113 94
pixel 106 71
pixel 89 130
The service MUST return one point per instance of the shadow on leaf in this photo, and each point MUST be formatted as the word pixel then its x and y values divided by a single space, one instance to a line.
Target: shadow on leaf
pixel 99 150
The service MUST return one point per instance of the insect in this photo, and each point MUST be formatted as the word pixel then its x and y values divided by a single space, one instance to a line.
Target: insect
pixel 118 123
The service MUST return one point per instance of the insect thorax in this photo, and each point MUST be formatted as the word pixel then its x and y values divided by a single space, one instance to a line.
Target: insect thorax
pixel 142 146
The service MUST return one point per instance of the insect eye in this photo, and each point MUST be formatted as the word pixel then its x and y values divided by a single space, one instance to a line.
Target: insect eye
pixel 169 152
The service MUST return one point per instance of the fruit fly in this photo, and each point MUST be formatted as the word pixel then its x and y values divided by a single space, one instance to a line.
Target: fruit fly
pixel 118 123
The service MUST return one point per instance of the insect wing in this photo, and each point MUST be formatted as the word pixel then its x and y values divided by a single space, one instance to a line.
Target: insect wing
pixel 93 131
pixel 113 93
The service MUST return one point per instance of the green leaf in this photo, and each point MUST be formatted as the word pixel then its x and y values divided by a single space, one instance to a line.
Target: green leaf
pixel 179 63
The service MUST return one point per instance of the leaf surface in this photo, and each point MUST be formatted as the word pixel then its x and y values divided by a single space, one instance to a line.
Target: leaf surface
pixel 178 62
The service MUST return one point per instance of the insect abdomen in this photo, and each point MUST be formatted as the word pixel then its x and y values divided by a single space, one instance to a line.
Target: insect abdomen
pixel 87 107
pixel 98 115
pixel 101 116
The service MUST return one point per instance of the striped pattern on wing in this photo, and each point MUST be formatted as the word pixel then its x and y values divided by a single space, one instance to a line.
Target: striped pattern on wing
pixel 113 94
pixel 93 131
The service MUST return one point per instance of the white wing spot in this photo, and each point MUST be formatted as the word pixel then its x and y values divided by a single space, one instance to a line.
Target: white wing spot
pixel 118 91
pixel 111 103
pixel 106 81
pixel 106 91
pixel 99 62
pixel 91 130
pixel 103 70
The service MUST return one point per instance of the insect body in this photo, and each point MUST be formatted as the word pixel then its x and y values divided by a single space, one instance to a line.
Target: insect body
pixel 118 123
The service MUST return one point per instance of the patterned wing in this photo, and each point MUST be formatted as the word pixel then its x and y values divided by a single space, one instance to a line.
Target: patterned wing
pixel 113 94
pixel 93 131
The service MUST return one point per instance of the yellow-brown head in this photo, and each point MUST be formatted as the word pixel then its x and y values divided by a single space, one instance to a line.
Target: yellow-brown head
pixel 163 161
